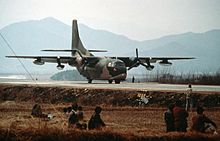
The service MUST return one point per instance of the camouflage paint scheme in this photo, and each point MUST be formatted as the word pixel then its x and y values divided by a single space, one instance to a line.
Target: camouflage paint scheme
pixel 97 68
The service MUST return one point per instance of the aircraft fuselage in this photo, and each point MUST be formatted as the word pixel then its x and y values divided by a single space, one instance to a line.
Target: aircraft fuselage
pixel 103 68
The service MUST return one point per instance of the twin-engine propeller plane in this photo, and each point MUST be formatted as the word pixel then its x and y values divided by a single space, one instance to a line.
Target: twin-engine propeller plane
pixel 98 68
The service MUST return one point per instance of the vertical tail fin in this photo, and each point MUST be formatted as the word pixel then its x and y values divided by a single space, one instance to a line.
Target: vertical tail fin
pixel 76 42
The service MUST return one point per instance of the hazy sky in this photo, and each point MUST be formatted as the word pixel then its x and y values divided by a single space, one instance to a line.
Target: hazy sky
pixel 136 19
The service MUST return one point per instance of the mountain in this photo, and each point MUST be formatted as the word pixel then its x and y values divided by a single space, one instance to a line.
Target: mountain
pixel 204 46
pixel 29 37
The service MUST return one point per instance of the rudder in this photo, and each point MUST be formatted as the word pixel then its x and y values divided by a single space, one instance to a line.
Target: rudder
pixel 76 42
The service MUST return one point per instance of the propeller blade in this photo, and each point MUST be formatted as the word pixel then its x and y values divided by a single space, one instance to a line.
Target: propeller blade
pixel 134 65
pixel 137 53
pixel 137 61
pixel 144 65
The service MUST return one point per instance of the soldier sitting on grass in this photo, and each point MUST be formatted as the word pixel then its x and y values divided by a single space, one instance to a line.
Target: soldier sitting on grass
pixel 180 117
pixel 169 119
pixel 76 117
pixel 73 119
pixel 201 122
pixel 80 115
pixel 36 110
pixel 95 121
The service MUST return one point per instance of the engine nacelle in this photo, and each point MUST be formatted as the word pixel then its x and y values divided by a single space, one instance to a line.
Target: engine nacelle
pixel 60 67
pixel 165 63
pixel 132 59
pixel 72 63
pixel 149 67
pixel 38 62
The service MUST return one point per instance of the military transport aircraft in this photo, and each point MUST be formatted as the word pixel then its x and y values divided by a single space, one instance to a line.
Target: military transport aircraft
pixel 98 68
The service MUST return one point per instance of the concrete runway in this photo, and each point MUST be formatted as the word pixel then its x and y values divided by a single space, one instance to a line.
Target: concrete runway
pixel 105 85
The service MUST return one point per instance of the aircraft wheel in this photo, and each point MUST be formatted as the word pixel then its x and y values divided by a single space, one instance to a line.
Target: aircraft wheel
pixel 110 81
pixel 117 81
pixel 89 80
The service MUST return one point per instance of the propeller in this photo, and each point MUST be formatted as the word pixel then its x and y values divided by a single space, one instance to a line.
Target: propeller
pixel 138 62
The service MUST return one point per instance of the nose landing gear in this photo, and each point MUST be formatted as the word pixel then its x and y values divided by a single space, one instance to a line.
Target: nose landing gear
pixel 110 81
pixel 89 81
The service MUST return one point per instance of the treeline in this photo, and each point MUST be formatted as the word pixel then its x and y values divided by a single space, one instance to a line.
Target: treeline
pixel 172 77
pixel 202 79
pixel 165 76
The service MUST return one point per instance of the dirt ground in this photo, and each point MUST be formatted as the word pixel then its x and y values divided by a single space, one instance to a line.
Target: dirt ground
pixel 138 120
pixel 103 97
pixel 130 119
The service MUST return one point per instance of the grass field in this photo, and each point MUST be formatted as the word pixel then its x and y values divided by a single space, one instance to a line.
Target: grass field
pixel 123 123
pixel 125 120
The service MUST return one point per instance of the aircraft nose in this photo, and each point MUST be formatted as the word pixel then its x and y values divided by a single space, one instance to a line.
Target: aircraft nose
pixel 120 70
pixel 116 71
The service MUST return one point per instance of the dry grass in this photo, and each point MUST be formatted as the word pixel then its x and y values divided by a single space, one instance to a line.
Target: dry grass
pixel 123 123
pixel 106 135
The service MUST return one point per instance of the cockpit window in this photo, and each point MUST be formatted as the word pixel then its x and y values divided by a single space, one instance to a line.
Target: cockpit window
pixel 121 64
pixel 110 64
pixel 116 64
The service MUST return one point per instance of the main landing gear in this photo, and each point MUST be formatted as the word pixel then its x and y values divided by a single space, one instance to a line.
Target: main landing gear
pixel 116 81
pixel 89 81
pixel 109 81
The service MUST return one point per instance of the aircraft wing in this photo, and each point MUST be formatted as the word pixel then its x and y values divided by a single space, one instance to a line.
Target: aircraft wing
pixel 146 61
pixel 50 59
pixel 129 60
pixel 60 60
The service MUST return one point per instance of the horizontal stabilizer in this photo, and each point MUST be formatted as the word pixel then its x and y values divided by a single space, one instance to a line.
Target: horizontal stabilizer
pixel 59 50
pixel 94 50
pixel 72 50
